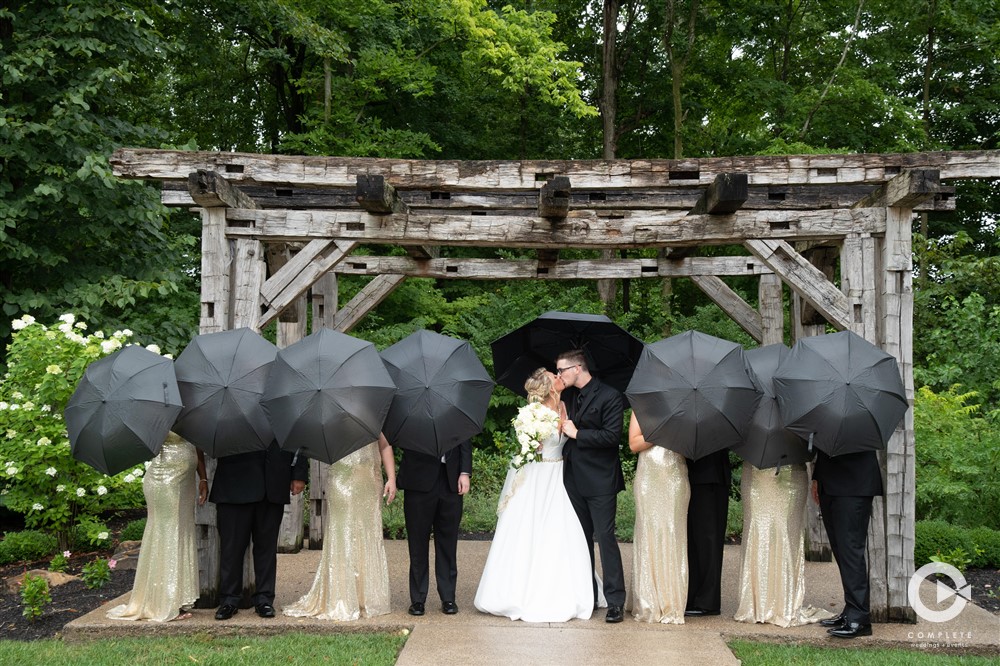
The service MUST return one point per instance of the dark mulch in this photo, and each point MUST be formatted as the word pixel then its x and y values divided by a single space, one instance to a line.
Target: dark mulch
pixel 985 588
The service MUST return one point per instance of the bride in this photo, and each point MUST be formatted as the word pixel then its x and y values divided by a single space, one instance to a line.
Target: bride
pixel 538 568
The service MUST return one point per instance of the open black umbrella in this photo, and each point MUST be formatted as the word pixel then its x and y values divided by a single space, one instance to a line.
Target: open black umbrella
pixel 694 394
pixel 221 377
pixel 841 392
pixel 768 443
pixel 442 392
pixel 611 351
pixel 327 395
pixel 122 409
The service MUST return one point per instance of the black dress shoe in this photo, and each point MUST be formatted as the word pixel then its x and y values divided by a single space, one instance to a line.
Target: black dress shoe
pixel 832 621
pixel 226 611
pixel 698 612
pixel 615 614
pixel 416 608
pixel 851 630
pixel 265 610
pixel 449 607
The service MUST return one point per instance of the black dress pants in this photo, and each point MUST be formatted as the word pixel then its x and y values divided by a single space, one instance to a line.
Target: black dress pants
pixel 438 510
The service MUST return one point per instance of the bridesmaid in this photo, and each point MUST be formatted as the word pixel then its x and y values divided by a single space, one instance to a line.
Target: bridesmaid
pixel 659 548
pixel 352 578
pixel 166 574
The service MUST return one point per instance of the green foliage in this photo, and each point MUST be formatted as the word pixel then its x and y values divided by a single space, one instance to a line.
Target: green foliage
pixel 39 476
pixel 59 562
pixel 734 518
pixel 986 547
pixel 26 546
pixel 956 557
pixel 97 573
pixel 956 449
pixel 936 538
pixel 770 654
pixel 133 531
pixel 34 596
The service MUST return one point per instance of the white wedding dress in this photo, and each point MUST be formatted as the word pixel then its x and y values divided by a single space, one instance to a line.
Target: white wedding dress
pixel 538 568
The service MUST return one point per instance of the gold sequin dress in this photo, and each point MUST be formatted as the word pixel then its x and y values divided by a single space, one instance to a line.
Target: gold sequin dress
pixel 166 574
pixel 772 578
pixel 352 578
pixel 659 547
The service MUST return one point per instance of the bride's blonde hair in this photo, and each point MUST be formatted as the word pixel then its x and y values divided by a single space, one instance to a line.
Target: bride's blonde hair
pixel 538 386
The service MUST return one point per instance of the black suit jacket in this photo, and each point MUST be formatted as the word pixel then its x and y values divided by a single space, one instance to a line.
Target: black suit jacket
pixel 593 455
pixel 713 468
pixel 849 475
pixel 246 478
pixel 418 471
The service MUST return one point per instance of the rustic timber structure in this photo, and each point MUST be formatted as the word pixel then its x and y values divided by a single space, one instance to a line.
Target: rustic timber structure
pixel 834 229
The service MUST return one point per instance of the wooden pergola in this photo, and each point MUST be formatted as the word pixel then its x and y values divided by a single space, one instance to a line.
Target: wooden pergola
pixel 834 229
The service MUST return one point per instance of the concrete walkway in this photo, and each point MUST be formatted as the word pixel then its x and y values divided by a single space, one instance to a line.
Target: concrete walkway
pixel 471 637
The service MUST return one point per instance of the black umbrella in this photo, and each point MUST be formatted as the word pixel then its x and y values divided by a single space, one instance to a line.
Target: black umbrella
pixel 694 394
pixel 768 443
pixel 442 392
pixel 221 377
pixel 122 409
pixel 841 392
pixel 327 395
pixel 611 351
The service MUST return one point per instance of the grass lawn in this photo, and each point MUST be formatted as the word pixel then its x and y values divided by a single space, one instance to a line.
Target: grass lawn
pixel 355 648
pixel 766 654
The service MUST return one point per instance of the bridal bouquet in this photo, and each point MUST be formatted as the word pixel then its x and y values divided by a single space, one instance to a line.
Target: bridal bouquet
pixel 533 424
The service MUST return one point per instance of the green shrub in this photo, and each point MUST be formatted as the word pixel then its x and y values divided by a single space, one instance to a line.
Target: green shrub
pixel 734 521
pixel 133 531
pixel 625 518
pixel 987 547
pixel 27 545
pixel 97 573
pixel 938 538
pixel 35 596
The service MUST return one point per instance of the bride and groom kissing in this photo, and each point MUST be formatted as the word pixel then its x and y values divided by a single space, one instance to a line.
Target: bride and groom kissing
pixel 541 563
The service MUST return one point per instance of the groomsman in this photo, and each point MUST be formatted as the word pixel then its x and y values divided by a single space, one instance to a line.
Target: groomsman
pixel 432 502
pixel 708 510
pixel 844 487
pixel 250 491
pixel 592 468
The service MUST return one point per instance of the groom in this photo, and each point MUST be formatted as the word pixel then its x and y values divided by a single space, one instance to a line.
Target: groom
pixel 592 470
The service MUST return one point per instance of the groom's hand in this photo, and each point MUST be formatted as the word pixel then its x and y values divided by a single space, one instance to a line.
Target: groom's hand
pixel 463 483
pixel 569 428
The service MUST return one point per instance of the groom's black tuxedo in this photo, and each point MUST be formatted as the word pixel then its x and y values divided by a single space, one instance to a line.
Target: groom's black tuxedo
pixel 593 476
pixel 710 478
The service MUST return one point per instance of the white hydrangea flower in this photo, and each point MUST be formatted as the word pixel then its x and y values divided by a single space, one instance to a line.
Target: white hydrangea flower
pixel 11 434
pixel 65 329
pixel 81 325
pixel 53 369
pixel 80 492
pixel 99 335
pixel 3 405
pixel 153 348
pixel 102 536
pixel 108 346
pixel 11 470
pixel 44 441
pixel 18 324
pixel 139 471
pixel 129 478
pixel 50 335
pixel 170 356
pixel 60 488
pixel 101 490
pixel 14 407
pixel 51 471
pixel 37 507
pixel 28 406
pixel 68 318
pixel 45 408
pixel 127 333
pixel 17 395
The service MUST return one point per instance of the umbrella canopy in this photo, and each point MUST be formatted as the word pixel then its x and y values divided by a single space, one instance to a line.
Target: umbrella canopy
pixel 840 391
pixel 611 351
pixel 694 394
pixel 122 409
pixel 442 392
pixel 327 395
pixel 221 377
pixel 768 443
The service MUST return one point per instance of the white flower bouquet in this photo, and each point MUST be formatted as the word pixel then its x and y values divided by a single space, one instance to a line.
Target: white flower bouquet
pixel 533 424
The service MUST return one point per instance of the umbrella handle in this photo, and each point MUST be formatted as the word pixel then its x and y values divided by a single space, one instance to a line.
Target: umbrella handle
pixel 810 442
pixel 295 458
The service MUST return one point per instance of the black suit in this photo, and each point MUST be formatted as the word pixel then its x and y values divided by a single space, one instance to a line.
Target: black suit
pixel 847 484
pixel 431 503
pixel 250 491
pixel 592 473
pixel 708 511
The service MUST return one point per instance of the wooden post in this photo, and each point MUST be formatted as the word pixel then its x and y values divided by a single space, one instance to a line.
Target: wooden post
pixel 772 318
pixel 324 311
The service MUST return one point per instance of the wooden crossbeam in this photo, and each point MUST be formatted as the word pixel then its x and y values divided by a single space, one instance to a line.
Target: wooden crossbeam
pixel 908 189
pixel 296 276
pixel 456 175
pixel 636 230
pixel 587 269
pixel 804 279
pixel 209 189
pixel 727 194
pixel 553 198
pixel 377 196
pixel 365 300
pixel 732 304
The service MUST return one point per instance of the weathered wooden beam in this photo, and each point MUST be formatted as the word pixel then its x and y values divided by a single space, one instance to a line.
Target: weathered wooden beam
pixel 772 310
pixel 581 230
pixel 553 198
pixel 727 194
pixel 731 303
pixel 824 257
pixel 526 269
pixel 295 277
pixel 804 279
pixel 908 189
pixel 365 301
pixel 209 189
pixel 455 175
pixel 377 196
